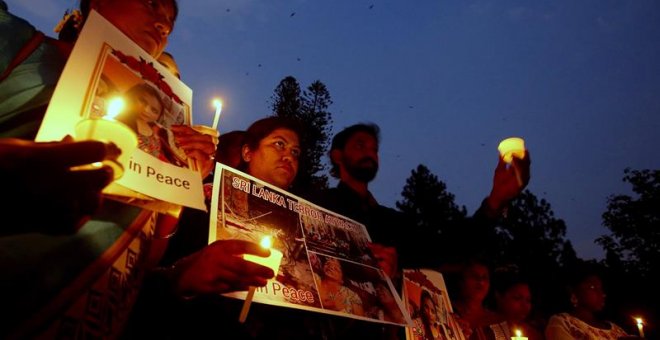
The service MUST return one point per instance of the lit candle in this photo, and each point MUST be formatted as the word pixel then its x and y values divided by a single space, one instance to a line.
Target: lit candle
pixel 218 109
pixel 518 335
pixel 512 147
pixel 273 262
pixel 640 326
pixel 107 129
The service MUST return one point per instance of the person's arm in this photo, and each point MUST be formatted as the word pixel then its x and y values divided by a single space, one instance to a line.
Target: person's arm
pixel 509 181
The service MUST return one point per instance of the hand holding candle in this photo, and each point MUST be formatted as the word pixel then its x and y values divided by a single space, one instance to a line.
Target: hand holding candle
pixel 107 129
pixel 512 147
pixel 273 262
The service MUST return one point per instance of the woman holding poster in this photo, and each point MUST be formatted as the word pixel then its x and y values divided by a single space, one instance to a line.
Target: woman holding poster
pixel 102 264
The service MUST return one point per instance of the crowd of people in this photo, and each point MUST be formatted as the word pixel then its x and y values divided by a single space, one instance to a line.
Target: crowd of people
pixel 87 266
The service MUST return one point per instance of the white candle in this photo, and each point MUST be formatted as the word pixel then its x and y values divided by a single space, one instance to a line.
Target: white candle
pixel 518 335
pixel 273 262
pixel 107 129
pixel 640 326
pixel 218 109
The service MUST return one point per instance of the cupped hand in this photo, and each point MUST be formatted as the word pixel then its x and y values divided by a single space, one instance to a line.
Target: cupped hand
pixel 220 268
pixel 41 191
pixel 198 146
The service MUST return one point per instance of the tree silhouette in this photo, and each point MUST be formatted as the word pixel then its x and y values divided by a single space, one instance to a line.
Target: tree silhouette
pixel 634 222
pixel 533 239
pixel 428 203
pixel 311 110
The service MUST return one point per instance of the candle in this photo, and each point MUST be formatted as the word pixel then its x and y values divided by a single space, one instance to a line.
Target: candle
pixel 518 335
pixel 273 262
pixel 640 326
pixel 512 147
pixel 218 109
pixel 109 130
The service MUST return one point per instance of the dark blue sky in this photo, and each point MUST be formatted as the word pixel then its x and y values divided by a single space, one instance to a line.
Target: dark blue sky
pixel 446 81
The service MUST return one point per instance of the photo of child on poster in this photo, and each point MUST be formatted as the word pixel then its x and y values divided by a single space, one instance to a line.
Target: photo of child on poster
pixel 150 106
pixel 426 299
pixel 354 288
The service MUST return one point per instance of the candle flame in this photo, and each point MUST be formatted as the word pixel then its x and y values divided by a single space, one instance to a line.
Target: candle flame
pixel 518 333
pixel 639 321
pixel 115 107
pixel 217 103
pixel 266 242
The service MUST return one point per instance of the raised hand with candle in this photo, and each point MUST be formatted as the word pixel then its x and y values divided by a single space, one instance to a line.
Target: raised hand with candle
pixel 511 176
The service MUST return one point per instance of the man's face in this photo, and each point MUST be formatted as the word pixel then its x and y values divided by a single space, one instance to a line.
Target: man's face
pixel 276 158
pixel 147 22
pixel 359 158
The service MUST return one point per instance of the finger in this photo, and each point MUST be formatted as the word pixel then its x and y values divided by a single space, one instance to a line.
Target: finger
pixel 65 154
pixel 88 180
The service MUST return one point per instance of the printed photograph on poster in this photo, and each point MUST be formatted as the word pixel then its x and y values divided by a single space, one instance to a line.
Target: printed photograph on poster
pixel 113 91
pixel 150 105
pixel 245 208
pixel 355 289
pixel 344 240
pixel 427 301
pixel 254 211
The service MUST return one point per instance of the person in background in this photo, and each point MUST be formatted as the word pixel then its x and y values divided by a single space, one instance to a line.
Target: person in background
pixel 187 295
pixel 513 301
pixel 102 264
pixel 470 286
pixel 166 59
pixel 587 298
pixel 355 162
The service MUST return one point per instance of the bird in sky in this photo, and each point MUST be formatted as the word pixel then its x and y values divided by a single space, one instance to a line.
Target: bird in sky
pixel 292 14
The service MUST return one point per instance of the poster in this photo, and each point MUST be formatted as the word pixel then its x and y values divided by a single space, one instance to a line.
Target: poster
pixel 427 301
pixel 105 65
pixel 327 266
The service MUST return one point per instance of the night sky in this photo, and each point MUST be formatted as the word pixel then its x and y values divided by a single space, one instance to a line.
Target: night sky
pixel 446 81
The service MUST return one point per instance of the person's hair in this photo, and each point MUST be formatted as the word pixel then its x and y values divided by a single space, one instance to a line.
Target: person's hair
pixel 580 272
pixel 85 7
pixel 264 127
pixel 228 144
pixel 425 295
pixel 340 139
pixel 70 29
pixel 503 280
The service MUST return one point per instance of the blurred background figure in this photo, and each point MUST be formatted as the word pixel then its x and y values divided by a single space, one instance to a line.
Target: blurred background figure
pixel 587 300
pixel 513 301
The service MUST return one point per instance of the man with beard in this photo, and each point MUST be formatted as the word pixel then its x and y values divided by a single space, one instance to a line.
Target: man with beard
pixel 397 242
pixel 354 158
